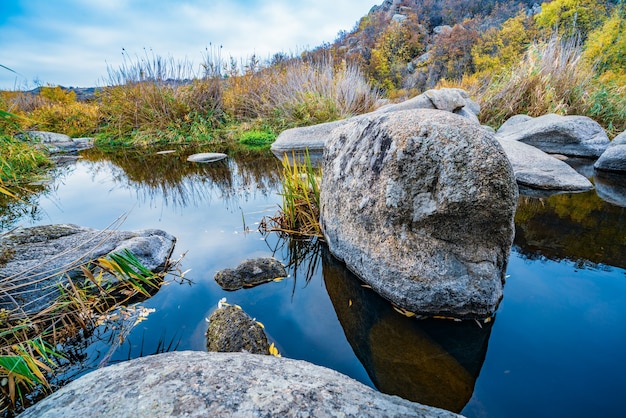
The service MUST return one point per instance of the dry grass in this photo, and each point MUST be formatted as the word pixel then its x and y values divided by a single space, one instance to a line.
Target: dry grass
pixel 300 211
pixel 299 93
pixel 552 78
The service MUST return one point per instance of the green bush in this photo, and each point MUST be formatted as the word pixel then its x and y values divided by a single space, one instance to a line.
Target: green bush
pixel 257 139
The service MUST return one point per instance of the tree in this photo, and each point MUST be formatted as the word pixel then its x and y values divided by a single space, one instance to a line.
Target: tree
pixel 571 17
pixel 497 49
pixel 606 46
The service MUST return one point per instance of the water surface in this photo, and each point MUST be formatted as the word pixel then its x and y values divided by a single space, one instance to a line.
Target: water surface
pixel 555 348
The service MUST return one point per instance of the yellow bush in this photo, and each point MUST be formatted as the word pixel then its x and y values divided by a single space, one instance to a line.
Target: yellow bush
pixel 73 119
pixel 58 95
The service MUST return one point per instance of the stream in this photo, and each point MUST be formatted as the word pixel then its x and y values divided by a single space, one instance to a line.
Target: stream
pixel 555 347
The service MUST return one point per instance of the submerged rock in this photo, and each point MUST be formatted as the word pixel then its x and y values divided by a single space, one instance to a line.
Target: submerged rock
pixel 614 158
pixel 577 136
pixel 250 273
pixel 420 205
pixel 206 157
pixel 38 257
pixel 197 384
pixel 232 330
pixel 535 169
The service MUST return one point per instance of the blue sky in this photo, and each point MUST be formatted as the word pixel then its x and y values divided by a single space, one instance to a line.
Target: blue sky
pixel 70 42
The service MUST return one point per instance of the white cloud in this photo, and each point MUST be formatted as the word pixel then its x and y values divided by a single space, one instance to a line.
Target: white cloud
pixel 69 42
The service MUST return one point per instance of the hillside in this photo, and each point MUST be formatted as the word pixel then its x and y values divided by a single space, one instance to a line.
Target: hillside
pixel 407 46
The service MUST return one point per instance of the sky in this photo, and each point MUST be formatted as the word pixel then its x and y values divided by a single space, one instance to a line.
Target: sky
pixel 71 42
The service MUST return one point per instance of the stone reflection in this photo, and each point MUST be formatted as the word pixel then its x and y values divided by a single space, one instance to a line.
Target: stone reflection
pixel 434 362
pixel 169 178
pixel 611 187
pixel 578 227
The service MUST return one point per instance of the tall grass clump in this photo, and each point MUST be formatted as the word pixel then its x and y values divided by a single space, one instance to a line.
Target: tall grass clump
pixel 152 98
pixel 19 161
pixel 551 78
pixel 299 92
pixel 300 210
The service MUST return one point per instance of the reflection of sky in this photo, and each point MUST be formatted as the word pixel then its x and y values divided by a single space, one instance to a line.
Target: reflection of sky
pixel 556 348
pixel 303 324
pixel 558 343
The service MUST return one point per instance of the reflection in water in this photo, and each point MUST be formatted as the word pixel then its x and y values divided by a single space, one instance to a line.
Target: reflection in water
pixel 579 227
pixel 611 187
pixel 434 362
pixel 171 180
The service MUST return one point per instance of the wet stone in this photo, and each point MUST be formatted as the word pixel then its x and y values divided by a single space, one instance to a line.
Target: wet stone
pixel 231 330
pixel 206 157
pixel 250 273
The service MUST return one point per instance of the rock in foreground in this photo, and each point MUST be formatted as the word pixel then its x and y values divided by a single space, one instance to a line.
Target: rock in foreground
pixel 196 384
pixel 35 258
pixel 420 205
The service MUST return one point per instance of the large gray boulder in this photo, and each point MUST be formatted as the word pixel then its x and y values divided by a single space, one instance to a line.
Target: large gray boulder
pixel 313 138
pixel 231 330
pixel 614 158
pixel 36 258
pixel 535 169
pixel 577 136
pixel 59 143
pixel 197 384
pixel 420 205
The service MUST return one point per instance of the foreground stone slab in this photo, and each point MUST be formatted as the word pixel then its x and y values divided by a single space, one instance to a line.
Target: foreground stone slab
pixel 420 204
pixel 35 258
pixel 197 384
pixel 577 136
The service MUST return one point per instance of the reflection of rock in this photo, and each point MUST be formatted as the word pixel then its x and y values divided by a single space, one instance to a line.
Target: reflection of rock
pixel 250 273
pixel 611 187
pixel 420 204
pixel 206 157
pixel 232 330
pixel 580 227
pixel 43 252
pixel 569 135
pixel 196 384
pixel 435 362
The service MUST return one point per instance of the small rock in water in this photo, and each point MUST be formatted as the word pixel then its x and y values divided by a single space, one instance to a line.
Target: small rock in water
pixel 250 273
pixel 206 157
pixel 232 330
